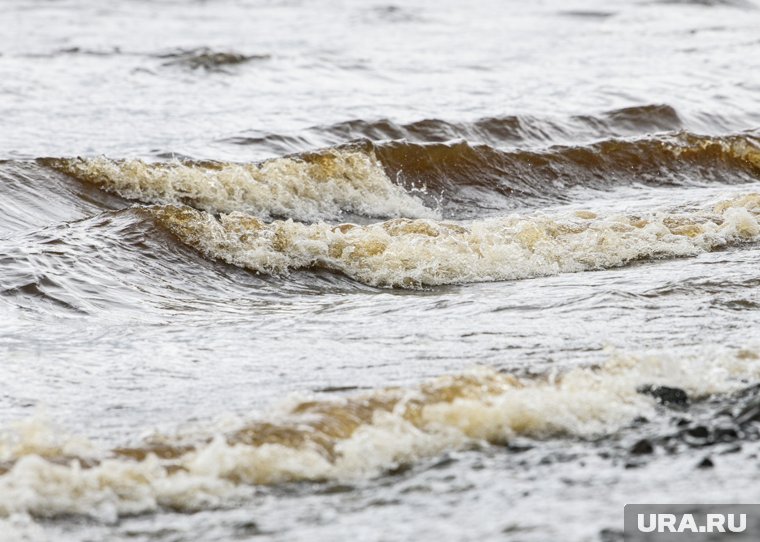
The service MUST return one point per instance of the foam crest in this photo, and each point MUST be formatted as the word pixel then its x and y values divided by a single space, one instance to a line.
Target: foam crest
pixel 320 186
pixel 423 252
pixel 358 436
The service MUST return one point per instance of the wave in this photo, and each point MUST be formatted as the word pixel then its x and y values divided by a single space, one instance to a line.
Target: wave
pixel 32 197
pixel 679 159
pixel 493 131
pixel 416 253
pixel 116 263
pixel 348 438
pixel 206 58
pixel 402 179
pixel 308 187
pixel 119 266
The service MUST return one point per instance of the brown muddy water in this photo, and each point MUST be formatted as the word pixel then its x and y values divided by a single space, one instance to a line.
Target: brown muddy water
pixel 333 270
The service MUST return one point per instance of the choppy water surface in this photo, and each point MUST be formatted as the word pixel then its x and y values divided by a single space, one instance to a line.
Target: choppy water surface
pixel 349 270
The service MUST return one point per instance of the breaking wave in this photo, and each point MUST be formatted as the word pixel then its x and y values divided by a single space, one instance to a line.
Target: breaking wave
pixel 346 438
pixel 403 179
pixel 306 188
pixel 414 253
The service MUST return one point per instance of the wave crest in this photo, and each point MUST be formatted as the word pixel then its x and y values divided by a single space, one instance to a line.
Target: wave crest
pixel 378 180
pixel 415 253
pixel 347 438
pixel 317 186
pixel 547 174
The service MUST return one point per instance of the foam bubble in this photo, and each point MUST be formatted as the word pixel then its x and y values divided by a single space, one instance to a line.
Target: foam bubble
pixel 357 436
pixel 316 187
pixel 423 252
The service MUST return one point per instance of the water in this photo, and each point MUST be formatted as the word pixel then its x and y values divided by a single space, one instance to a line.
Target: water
pixel 338 270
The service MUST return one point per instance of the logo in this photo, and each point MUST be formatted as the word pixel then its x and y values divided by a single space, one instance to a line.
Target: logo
pixel 692 522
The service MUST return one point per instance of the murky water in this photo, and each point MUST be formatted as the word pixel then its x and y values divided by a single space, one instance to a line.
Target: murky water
pixel 342 270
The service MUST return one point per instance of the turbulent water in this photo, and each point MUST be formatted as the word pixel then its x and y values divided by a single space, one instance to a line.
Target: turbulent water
pixel 357 271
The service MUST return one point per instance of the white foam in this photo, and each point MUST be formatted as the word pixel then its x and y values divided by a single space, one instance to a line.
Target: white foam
pixel 322 187
pixel 403 426
pixel 412 253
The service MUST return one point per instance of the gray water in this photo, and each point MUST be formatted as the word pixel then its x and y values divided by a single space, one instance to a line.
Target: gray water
pixel 552 206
